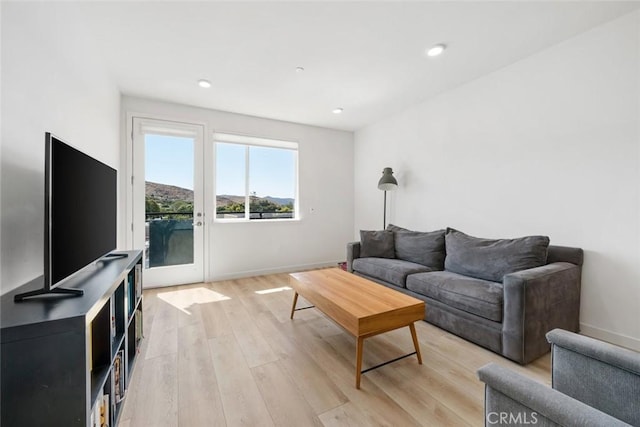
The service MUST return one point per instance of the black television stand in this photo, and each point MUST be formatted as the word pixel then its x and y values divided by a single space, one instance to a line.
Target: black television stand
pixel 69 361
pixel 54 291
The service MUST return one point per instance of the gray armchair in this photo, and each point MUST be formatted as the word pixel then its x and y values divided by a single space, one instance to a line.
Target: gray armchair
pixel 594 384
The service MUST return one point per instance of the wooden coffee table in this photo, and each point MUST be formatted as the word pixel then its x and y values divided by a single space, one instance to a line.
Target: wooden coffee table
pixel 363 308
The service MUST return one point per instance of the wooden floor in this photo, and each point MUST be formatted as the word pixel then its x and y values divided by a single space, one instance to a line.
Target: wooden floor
pixel 226 353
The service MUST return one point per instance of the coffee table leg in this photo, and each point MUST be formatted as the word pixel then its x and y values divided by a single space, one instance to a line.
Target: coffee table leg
pixel 293 307
pixel 415 342
pixel 359 361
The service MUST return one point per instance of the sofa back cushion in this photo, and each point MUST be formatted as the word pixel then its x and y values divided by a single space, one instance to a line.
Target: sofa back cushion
pixel 490 259
pixel 392 227
pixel 378 244
pixel 420 247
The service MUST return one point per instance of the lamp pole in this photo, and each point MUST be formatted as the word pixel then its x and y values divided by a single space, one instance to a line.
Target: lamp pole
pixel 384 215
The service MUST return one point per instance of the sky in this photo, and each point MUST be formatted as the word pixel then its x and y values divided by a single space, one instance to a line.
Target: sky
pixel 169 160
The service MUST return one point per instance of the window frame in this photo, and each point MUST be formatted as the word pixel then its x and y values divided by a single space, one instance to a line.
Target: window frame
pixel 247 142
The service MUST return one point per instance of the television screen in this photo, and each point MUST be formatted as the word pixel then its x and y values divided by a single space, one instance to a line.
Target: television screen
pixel 81 210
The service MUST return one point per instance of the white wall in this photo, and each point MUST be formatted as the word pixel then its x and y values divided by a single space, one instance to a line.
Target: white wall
pixel 548 145
pixel 325 163
pixel 1 139
pixel 51 81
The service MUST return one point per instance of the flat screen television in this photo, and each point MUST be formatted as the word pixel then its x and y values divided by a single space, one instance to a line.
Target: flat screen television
pixel 80 218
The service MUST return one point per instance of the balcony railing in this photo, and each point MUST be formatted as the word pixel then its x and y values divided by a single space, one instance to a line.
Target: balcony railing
pixel 256 215
pixel 168 215
pixel 155 216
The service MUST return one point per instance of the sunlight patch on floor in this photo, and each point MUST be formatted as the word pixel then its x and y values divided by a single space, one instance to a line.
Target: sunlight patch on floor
pixel 184 298
pixel 272 290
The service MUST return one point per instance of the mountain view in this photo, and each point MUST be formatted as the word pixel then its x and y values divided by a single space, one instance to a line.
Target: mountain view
pixel 169 193
pixel 170 199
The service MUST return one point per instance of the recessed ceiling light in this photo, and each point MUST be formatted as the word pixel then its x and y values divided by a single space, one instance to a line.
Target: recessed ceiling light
pixel 338 110
pixel 204 83
pixel 436 50
pixel 299 69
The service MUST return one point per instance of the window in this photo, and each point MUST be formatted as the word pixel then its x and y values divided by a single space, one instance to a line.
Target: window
pixel 256 178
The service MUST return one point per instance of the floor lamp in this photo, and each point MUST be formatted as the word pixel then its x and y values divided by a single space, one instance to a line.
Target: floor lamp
pixel 386 183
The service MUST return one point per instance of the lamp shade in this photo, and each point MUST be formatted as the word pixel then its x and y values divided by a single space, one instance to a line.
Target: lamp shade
pixel 387 182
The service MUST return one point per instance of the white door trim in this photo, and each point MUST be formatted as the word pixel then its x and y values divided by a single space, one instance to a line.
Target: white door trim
pixel 208 208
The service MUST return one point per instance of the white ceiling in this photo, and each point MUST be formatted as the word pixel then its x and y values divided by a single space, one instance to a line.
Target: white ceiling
pixel 367 58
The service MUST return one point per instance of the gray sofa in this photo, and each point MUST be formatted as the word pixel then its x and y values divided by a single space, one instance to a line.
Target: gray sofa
pixel 593 384
pixel 503 294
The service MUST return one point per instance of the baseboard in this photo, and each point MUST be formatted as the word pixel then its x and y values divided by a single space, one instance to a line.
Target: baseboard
pixel 284 269
pixel 611 337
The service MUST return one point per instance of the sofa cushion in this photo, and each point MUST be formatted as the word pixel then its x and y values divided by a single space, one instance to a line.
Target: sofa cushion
pixel 377 244
pixel 491 259
pixel 476 296
pixel 394 271
pixel 421 248
pixel 392 227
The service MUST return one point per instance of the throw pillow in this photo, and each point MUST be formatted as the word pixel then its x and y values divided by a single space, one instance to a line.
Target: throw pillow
pixel 377 244
pixel 421 248
pixel 392 227
pixel 491 259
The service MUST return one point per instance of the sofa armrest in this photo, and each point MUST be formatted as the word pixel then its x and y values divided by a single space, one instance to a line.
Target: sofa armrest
pixel 616 357
pixel 599 374
pixel 515 397
pixel 536 301
pixel 353 252
pixel 565 254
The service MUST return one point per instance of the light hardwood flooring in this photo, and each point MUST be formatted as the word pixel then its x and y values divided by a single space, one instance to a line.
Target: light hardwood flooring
pixel 226 353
